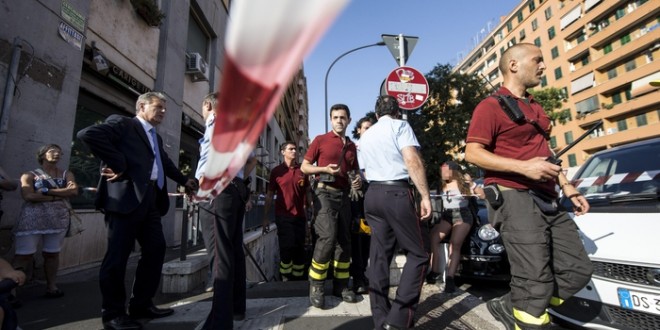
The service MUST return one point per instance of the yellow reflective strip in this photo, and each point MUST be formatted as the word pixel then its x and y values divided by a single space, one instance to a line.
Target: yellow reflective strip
pixel 313 274
pixel 298 273
pixel 556 301
pixel 319 266
pixel 517 327
pixel 527 318
pixel 341 265
pixel 298 267
pixel 285 270
pixel 283 265
pixel 341 275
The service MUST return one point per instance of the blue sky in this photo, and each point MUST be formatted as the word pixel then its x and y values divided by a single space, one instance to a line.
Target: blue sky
pixel 444 28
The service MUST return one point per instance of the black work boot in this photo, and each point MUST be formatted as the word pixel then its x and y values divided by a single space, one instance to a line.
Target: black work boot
pixel 450 286
pixel 340 289
pixel 502 310
pixel 316 294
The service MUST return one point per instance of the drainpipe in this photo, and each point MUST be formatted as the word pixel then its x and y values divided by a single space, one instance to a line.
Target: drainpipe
pixel 9 91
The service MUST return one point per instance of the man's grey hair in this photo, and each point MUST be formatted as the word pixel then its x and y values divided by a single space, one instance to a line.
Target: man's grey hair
pixel 148 97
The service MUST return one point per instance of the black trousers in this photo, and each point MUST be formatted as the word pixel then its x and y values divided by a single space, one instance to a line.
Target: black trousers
pixel 143 225
pixel 291 233
pixel 332 225
pixel 226 244
pixel 545 252
pixel 390 211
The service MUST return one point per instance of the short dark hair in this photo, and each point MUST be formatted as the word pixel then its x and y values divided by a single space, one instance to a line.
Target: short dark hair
pixel 340 106
pixel 286 143
pixel 387 105
pixel 44 149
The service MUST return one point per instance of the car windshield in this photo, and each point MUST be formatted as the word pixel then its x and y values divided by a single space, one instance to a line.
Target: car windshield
pixel 628 173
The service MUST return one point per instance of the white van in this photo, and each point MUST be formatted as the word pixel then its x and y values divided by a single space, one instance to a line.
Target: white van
pixel 621 234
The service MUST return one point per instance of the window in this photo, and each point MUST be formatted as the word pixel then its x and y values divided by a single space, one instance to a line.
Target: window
pixel 522 34
pixel 531 5
pixel 555 52
pixel 641 120
pixel 537 42
pixel 582 37
pixel 625 39
pixel 631 65
pixel 564 93
pixel 611 73
pixel 628 93
pixel 587 106
pixel 544 81
pixel 502 50
pixel 558 73
pixel 585 60
pixel 621 125
pixel 509 26
pixel 535 25
pixel 548 13
pixel 568 137
pixel 571 160
pixel 620 13
pixel 551 32
pixel 198 39
pixel 553 142
pixel 616 98
pixel 607 48
pixel 520 16
pixel 512 42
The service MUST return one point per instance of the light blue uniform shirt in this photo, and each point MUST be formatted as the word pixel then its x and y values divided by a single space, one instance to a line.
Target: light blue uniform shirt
pixel 379 151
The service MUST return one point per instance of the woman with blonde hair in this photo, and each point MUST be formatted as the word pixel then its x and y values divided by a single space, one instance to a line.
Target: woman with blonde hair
pixel 456 219
pixel 44 216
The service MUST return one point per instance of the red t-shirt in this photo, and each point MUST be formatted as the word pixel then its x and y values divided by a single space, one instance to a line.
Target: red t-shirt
pixel 290 185
pixel 326 149
pixel 491 127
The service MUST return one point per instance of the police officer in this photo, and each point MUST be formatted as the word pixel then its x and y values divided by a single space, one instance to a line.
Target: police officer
pixel 548 261
pixel 389 156
pixel 335 156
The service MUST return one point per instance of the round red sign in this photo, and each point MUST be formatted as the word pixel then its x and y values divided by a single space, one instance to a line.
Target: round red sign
pixel 408 86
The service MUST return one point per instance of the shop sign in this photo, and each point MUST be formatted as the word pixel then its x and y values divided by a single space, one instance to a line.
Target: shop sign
pixel 71 35
pixel 72 16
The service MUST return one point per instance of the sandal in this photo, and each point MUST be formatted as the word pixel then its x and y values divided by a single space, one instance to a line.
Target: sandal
pixel 54 294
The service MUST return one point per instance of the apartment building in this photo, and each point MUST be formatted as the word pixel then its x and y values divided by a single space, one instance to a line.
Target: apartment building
pixel 601 54
pixel 68 64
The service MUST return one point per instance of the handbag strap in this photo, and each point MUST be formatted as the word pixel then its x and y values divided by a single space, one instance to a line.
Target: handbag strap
pixel 343 151
pixel 46 176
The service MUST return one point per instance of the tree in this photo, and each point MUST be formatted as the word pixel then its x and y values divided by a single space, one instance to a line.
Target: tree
pixel 441 124
pixel 552 99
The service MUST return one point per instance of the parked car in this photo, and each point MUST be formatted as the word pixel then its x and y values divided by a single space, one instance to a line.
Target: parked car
pixel 483 255
pixel 620 234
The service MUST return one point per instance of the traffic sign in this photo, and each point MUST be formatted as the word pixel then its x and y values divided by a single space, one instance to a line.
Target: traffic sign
pixel 394 44
pixel 408 86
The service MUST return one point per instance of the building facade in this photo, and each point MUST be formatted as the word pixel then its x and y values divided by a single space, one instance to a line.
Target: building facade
pixel 69 64
pixel 601 54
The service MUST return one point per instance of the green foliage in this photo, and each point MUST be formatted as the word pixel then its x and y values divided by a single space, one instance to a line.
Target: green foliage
pixel 441 124
pixel 551 99
pixel 149 11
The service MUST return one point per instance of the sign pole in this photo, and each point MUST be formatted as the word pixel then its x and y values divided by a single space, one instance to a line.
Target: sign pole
pixel 402 62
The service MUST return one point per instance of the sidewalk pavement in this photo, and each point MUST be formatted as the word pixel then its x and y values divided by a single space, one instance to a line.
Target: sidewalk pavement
pixel 275 305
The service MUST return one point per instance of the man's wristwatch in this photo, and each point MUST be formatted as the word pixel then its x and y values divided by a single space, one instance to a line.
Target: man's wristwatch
pixel 44 191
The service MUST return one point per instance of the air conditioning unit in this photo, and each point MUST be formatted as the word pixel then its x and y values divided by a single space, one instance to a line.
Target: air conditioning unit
pixel 611 130
pixel 196 67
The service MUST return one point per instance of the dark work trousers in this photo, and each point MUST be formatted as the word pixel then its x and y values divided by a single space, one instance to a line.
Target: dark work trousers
pixel 545 252
pixel 10 320
pixel 226 244
pixel 291 233
pixel 390 211
pixel 359 244
pixel 332 225
pixel 142 225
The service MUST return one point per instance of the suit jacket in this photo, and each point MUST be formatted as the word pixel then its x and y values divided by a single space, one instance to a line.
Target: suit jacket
pixel 122 145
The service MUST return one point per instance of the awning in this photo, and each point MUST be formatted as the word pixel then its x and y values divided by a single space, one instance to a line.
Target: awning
pixel 582 83
pixel 643 85
pixel 571 17
pixel 590 3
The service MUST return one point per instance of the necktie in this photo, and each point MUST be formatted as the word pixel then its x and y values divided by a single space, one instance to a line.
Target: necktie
pixel 161 176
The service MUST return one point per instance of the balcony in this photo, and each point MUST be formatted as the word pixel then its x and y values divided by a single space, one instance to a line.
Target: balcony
pixel 634 46
pixel 645 101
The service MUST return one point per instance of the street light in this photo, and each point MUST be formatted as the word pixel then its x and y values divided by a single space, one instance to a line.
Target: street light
pixel 381 43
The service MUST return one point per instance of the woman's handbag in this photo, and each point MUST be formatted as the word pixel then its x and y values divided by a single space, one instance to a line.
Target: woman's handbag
pixel 75 223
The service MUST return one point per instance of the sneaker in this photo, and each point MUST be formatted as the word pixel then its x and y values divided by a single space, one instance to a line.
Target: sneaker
pixel 502 311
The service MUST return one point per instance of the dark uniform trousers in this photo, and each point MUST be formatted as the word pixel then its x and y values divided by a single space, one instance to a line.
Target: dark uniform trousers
pixel 332 225
pixel 143 225
pixel 228 261
pixel 545 252
pixel 291 233
pixel 390 211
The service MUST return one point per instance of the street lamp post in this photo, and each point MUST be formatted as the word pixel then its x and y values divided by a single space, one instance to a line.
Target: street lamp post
pixel 328 72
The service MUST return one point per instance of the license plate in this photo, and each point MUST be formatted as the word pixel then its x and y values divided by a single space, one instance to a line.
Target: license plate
pixel 639 301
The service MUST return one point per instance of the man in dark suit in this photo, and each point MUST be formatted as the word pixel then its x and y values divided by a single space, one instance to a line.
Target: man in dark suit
pixel 133 195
